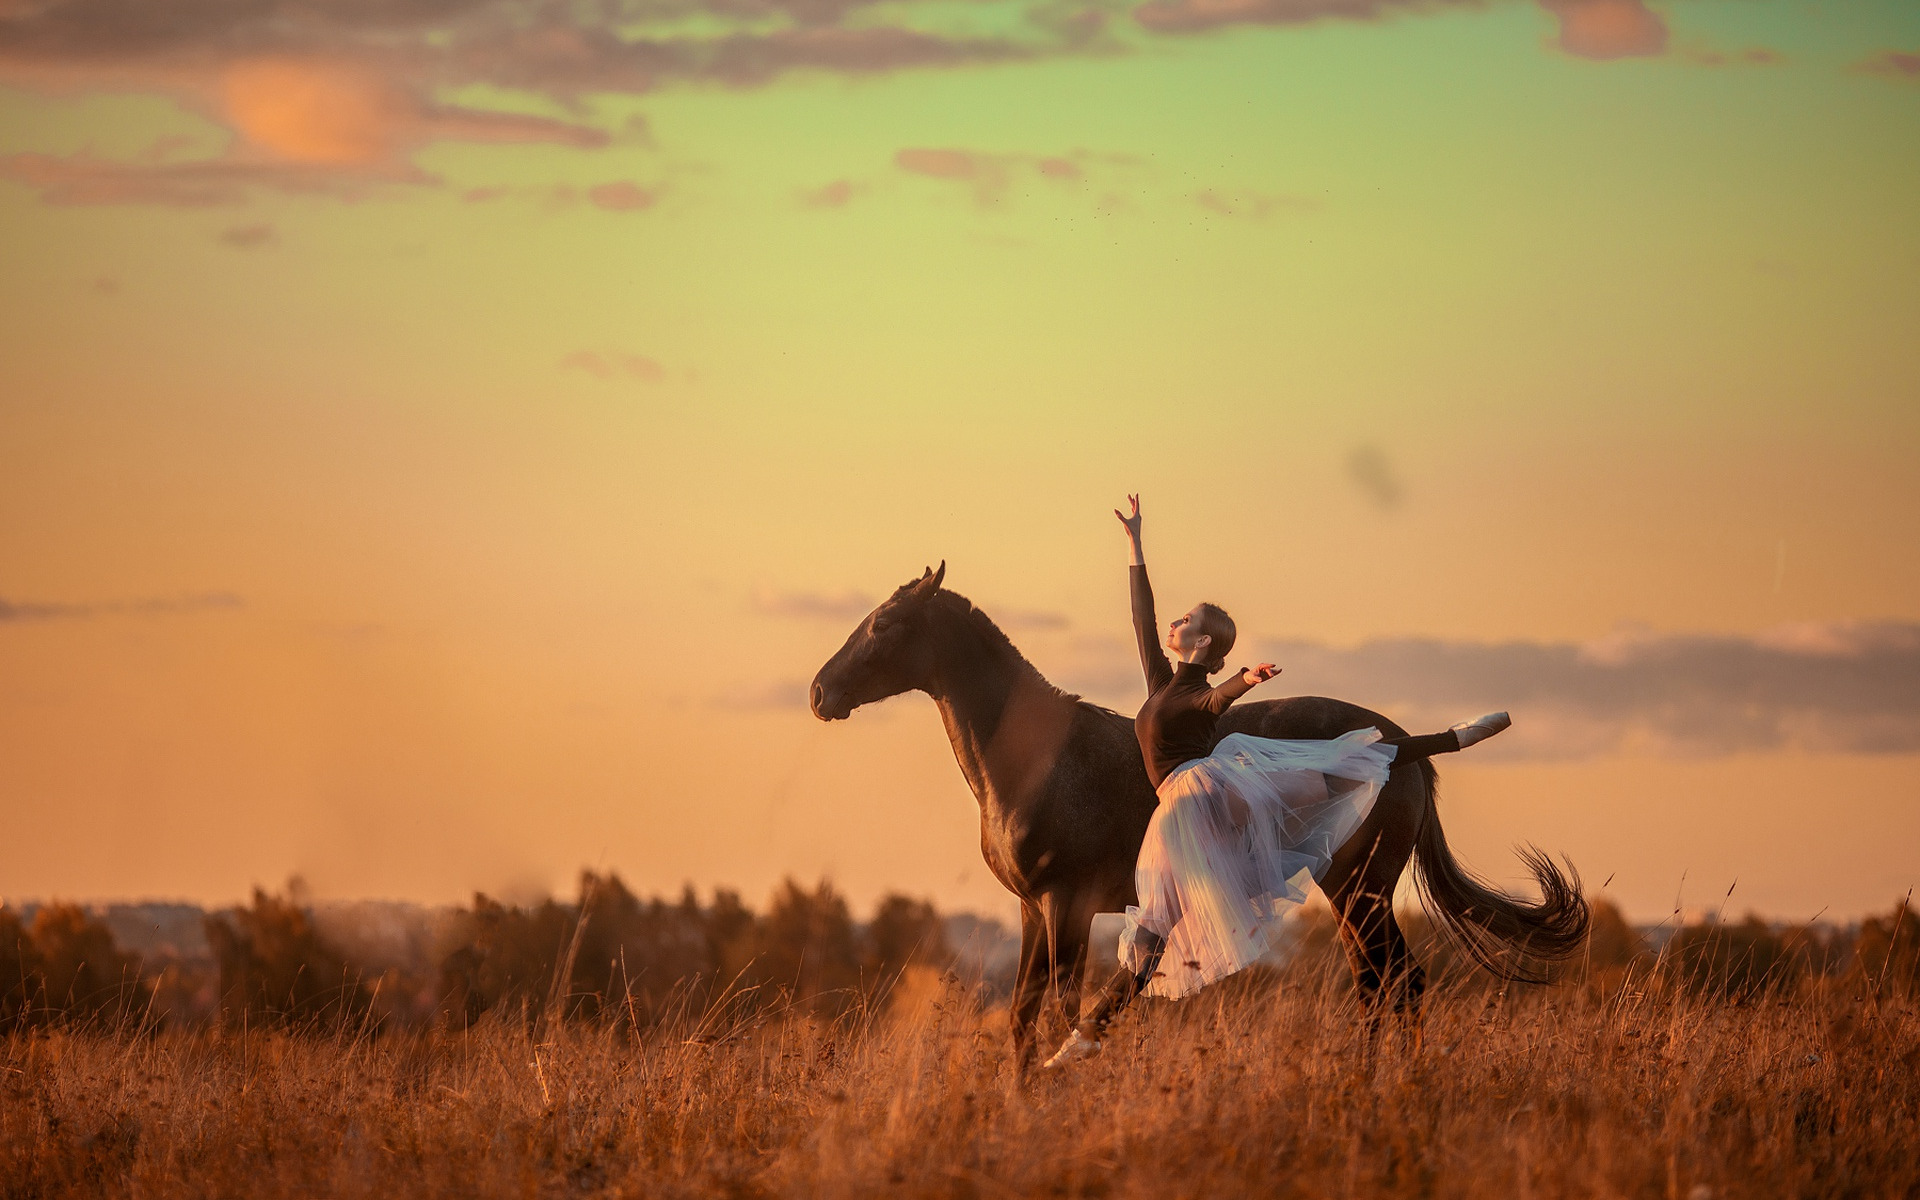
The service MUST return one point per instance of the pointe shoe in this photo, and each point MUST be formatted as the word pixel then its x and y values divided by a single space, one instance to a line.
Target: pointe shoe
pixel 1078 1047
pixel 1481 728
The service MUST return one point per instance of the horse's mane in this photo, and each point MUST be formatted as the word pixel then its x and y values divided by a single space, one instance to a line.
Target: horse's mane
pixel 955 605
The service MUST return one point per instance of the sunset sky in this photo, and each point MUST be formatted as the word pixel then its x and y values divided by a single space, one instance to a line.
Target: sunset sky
pixel 439 438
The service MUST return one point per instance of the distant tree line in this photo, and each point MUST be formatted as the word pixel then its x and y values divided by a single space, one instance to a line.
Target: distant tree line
pixel 608 955
pixel 1736 961
pixel 64 964
pixel 612 956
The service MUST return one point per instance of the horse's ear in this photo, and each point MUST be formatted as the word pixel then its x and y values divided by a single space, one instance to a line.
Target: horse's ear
pixel 929 583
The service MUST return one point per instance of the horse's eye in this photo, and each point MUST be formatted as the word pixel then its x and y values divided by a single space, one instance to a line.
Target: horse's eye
pixel 881 626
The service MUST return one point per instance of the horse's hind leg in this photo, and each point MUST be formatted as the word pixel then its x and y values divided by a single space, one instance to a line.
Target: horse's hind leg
pixel 1383 967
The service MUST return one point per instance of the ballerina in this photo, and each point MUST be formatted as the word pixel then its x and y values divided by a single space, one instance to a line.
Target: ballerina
pixel 1243 828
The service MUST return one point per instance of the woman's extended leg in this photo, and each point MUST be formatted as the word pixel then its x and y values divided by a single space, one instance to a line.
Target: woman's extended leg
pixel 1459 737
pixel 1127 982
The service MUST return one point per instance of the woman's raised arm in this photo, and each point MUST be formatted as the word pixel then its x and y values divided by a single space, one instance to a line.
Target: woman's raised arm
pixel 1132 523
pixel 1146 627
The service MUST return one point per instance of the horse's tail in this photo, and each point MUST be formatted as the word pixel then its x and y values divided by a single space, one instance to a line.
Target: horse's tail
pixel 1509 937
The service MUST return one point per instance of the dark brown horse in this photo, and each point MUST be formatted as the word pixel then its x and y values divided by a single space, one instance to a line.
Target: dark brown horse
pixel 1064 802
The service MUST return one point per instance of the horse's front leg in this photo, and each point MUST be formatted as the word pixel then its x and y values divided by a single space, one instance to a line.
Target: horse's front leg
pixel 1029 987
pixel 1069 929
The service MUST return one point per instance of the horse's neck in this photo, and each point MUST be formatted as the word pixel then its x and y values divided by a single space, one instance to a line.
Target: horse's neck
pixel 1006 722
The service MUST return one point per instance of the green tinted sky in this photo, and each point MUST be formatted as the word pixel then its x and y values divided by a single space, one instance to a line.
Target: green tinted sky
pixel 534 463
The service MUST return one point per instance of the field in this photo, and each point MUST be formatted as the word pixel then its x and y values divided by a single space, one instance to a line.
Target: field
pixel 1266 1088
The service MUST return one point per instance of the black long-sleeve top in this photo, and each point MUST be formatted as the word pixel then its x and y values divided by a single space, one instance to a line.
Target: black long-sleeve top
pixel 1176 723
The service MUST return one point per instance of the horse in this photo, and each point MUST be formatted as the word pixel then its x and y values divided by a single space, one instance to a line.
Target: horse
pixel 1064 803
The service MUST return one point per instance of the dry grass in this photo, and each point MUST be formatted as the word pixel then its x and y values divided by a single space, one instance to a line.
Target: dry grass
pixel 1249 1092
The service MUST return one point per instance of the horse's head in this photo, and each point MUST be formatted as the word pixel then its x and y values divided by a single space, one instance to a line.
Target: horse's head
pixel 886 654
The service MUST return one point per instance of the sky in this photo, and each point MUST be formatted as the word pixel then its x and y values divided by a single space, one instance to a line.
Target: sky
pixel 439 439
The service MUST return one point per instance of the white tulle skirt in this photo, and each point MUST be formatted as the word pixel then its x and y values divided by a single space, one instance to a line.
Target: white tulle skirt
pixel 1238 839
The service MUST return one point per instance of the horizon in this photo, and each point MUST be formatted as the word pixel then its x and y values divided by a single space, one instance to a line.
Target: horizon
pixel 1315 908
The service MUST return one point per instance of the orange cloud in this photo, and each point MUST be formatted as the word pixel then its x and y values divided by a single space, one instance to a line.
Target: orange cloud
pixel 310 112
pixel 309 126
pixel 941 164
pixel 1893 64
pixel 249 237
pixel 343 114
pixel 325 125
pixel 621 196
pixel 1606 29
pixel 833 195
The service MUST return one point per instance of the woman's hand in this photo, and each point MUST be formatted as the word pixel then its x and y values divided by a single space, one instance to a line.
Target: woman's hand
pixel 1255 676
pixel 1131 522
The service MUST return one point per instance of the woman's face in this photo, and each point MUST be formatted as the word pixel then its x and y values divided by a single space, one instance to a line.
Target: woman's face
pixel 1184 636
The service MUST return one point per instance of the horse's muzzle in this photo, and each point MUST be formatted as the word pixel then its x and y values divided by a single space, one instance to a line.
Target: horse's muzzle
pixel 827 705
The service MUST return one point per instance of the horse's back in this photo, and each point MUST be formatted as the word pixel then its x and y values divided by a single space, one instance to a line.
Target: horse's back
pixel 1315 717
pixel 1384 841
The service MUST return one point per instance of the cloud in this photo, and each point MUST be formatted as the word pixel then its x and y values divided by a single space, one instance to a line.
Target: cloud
pixel 1596 29
pixel 333 98
pixel 347 92
pixel 1752 56
pixel 1255 205
pixel 249 237
pixel 1194 16
pixel 1892 64
pixel 1824 687
pixel 1373 473
pixel 1035 620
pixel 831 195
pixel 344 82
pixel 944 164
pixel 310 112
pixel 11 610
pixel 846 606
pixel 1607 29
pixel 989 174
pixel 349 114
pixel 620 196
pixel 615 365
pixel 83 179
pixel 749 59
pixel 1845 687
pixel 325 124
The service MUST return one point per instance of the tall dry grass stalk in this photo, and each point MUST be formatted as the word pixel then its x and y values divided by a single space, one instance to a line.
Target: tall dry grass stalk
pixel 1249 1090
